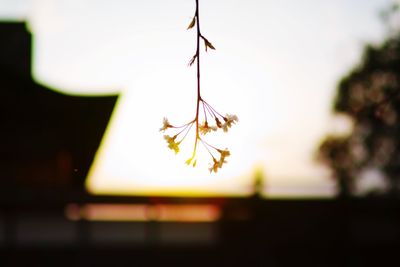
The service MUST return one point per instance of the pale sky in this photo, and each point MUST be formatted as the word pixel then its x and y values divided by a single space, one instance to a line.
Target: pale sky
pixel 276 66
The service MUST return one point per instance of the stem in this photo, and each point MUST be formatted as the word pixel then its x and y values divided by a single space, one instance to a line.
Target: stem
pixel 188 130
pixel 213 110
pixel 205 145
pixel 184 128
pixel 198 75
pixel 205 105
pixel 205 113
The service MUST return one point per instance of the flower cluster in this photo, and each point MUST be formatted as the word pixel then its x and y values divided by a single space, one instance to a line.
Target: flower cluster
pixel 222 123
pixel 212 119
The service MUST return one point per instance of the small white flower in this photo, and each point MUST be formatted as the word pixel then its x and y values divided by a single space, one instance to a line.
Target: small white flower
pixel 215 166
pixel 224 153
pixel 205 128
pixel 166 125
pixel 172 144
pixel 229 120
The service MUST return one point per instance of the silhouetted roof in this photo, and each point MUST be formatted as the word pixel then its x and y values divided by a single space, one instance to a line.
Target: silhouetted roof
pixel 48 140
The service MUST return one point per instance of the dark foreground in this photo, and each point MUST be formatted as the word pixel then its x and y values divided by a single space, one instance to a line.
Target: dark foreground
pixel 250 232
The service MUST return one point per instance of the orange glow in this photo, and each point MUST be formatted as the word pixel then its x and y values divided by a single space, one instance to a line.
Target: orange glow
pixel 188 213
pixel 143 212
pixel 107 212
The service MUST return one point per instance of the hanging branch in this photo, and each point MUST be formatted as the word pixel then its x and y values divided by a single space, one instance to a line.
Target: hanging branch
pixel 209 113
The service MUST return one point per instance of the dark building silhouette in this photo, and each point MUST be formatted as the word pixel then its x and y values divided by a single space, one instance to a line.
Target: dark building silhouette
pixel 48 140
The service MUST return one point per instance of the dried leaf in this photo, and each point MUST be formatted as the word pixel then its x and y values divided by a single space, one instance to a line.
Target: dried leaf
pixel 192 60
pixel 208 44
pixel 192 23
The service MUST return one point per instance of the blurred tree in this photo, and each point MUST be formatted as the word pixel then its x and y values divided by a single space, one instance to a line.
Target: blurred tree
pixel 370 96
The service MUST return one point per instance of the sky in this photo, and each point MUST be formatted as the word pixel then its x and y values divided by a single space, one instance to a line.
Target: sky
pixel 276 66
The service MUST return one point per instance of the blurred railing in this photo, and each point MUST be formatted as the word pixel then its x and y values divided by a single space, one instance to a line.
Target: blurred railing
pixel 110 221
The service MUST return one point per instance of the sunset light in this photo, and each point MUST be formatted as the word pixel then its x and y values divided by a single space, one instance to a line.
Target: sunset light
pixel 200 133
pixel 276 68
